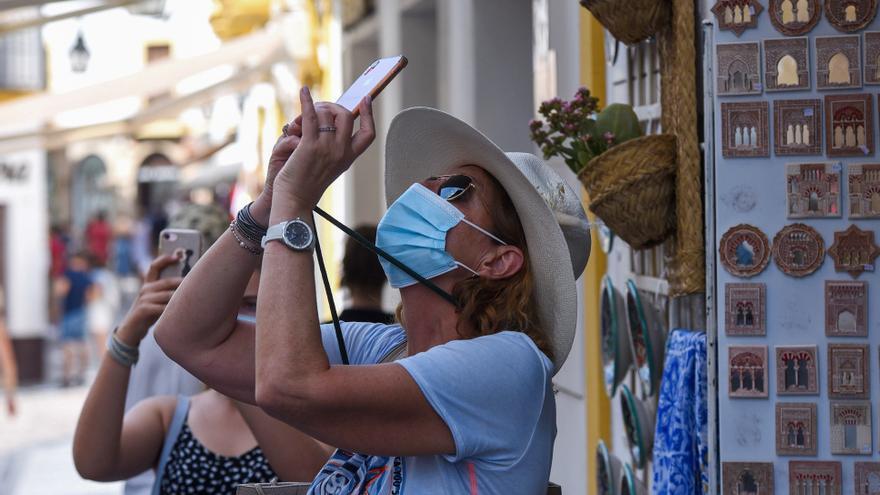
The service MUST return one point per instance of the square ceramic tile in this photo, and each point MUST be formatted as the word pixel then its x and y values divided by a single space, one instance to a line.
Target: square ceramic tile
pixel 797 127
pixel 813 190
pixel 744 309
pixel 848 376
pixel 795 428
pixel 846 308
pixel 872 57
pixel 739 68
pixel 849 125
pixel 741 478
pixel 747 372
pixel 814 478
pixel 851 428
pixel 787 64
pixel 797 370
pixel 867 478
pixel 745 129
pixel 864 190
pixel 838 62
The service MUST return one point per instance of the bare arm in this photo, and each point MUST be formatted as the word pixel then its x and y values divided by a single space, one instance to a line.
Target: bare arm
pixel 8 368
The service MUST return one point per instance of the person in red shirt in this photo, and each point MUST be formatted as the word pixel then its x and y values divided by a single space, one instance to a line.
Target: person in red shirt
pixel 98 237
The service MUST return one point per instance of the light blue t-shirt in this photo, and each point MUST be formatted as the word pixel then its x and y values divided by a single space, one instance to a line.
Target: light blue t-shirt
pixel 493 392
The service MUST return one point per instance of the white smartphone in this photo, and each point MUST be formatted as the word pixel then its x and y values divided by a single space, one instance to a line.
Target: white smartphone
pixel 372 82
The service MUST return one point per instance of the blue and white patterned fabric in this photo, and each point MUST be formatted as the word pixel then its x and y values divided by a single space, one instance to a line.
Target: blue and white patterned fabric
pixel 681 450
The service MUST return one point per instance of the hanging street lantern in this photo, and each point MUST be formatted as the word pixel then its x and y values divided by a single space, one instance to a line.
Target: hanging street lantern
pixel 79 54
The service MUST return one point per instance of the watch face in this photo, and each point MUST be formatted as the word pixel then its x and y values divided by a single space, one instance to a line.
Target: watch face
pixel 298 235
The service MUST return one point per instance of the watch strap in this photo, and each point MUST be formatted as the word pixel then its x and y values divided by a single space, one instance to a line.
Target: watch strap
pixel 273 233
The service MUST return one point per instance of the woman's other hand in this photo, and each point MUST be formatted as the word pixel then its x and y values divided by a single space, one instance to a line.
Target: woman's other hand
pixel 286 144
pixel 150 303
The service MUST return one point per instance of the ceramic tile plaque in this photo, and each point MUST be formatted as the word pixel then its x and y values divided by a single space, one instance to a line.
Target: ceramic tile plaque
pixel 838 62
pixel 747 372
pixel 814 478
pixel 744 251
pixel 747 478
pixel 854 251
pixel 813 190
pixel 867 478
pixel 786 64
pixel 744 309
pixel 872 57
pixel 797 127
pixel 849 125
pixel 795 428
pixel 849 16
pixel 864 190
pixel 846 308
pixel 739 68
pixel 848 376
pixel 794 17
pixel 798 250
pixel 851 428
pixel 737 15
pixel 745 129
pixel 797 370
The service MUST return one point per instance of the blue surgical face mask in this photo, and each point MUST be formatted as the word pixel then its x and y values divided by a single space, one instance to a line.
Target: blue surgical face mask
pixel 414 229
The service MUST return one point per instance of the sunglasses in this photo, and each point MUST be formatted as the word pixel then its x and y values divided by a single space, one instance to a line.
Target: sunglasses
pixel 454 187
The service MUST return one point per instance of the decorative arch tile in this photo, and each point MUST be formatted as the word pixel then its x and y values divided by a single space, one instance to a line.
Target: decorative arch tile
pixel 813 190
pixel 838 62
pixel 747 478
pixel 737 15
pixel 854 251
pixel 867 478
pixel 797 370
pixel 864 190
pixel 815 477
pixel 849 16
pixel 739 68
pixel 872 57
pixel 745 309
pixel 846 308
pixel 798 250
pixel 848 375
pixel 797 127
pixel 744 251
pixel 851 428
pixel 747 372
pixel 796 428
pixel 794 17
pixel 787 64
pixel 849 125
pixel 745 129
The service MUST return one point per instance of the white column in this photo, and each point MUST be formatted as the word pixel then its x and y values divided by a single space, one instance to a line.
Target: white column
pixel 457 75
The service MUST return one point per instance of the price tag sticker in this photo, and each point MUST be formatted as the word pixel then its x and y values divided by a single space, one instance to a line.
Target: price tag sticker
pixel 808 112
pixel 836 167
pixel 759 87
pixel 752 10
pixel 868 267
pixel 864 149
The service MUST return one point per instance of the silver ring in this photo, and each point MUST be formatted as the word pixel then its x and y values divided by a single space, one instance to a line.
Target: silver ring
pixel 284 129
pixel 328 128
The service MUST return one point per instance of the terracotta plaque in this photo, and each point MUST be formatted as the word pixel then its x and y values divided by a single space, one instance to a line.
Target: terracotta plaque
pixel 744 309
pixel 849 125
pixel 795 428
pixel 745 129
pixel 854 251
pixel 744 251
pixel 838 62
pixel 867 478
pixel 798 250
pixel 846 308
pixel 851 428
pixel 794 17
pixel 737 15
pixel 813 190
pixel 814 478
pixel 786 64
pixel 797 127
pixel 739 68
pixel 797 370
pixel 747 372
pixel 850 16
pixel 864 190
pixel 872 57
pixel 747 478
pixel 848 376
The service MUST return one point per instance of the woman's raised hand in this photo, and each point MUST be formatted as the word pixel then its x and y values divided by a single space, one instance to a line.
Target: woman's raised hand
pixel 325 150
pixel 150 303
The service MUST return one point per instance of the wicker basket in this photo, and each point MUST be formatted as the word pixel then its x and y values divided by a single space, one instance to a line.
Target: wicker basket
pixel 630 21
pixel 632 189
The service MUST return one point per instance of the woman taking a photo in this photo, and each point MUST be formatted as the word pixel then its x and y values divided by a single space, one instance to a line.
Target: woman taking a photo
pixel 471 410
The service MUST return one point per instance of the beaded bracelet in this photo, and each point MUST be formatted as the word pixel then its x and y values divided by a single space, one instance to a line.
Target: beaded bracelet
pixel 243 241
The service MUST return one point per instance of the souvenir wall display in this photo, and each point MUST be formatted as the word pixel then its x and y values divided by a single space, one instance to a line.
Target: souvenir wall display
pixel 848 376
pixel 737 15
pixel 747 372
pixel 638 420
pixel 786 64
pixel 797 370
pixel 744 309
pixel 739 68
pixel 864 190
pixel 854 251
pixel 838 62
pixel 846 308
pixel 616 352
pixel 851 428
pixel 630 484
pixel 849 125
pixel 813 190
pixel 744 129
pixel 867 478
pixel 794 17
pixel 814 477
pixel 744 251
pixel 609 469
pixel 798 250
pixel 647 336
pixel 796 428
pixel 747 478
pixel 872 57
pixel 797 126
pixel 850 16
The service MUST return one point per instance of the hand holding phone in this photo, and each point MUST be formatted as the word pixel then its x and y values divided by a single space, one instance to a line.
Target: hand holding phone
pixel 186 244
pixel 372 82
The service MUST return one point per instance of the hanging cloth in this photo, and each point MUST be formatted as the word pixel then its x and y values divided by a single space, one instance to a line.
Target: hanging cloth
pixel 681 449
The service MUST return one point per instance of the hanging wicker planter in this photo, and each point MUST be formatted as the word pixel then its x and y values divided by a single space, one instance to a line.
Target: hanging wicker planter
pixel 630 21
pixel 632 189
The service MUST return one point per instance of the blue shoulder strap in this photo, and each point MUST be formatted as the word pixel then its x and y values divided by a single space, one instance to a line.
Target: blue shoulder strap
pixel 170 438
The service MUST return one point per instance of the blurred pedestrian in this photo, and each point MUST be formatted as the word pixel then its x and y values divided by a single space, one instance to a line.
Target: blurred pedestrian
pixel 363 277
pixel 125 266
pixel 8 367
pixel 99 234
pixel 57 250
pixel 103 306
pixel 74 289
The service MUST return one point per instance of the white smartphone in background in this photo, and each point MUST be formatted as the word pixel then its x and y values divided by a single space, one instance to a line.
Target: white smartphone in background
pixel 371 82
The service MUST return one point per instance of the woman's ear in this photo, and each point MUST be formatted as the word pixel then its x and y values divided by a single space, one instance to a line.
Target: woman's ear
pixel 503 262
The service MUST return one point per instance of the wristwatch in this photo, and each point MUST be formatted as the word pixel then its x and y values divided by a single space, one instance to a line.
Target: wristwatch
pixel 295 234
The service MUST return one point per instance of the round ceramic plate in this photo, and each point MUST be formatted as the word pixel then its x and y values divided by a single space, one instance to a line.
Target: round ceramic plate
pixel 798 250
pixel 604 472
pixel 792 22
pixel 850 16
pixel 744 251
pixel 616 357
pixel 606 238
pixel 633 427
pixel 628 483
pixel 641 343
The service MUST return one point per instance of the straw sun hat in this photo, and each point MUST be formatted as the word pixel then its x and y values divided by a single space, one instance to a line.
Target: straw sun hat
pixel 423 142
